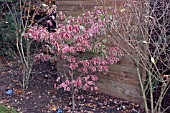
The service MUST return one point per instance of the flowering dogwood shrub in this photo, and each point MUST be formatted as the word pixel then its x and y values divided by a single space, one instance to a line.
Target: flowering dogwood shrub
pixel 76 48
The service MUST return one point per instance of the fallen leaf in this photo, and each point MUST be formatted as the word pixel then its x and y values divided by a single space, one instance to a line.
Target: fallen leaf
pixel 166 77
pixel 153 60
pixel 96 98
pixel 123 10
pixel 19 92
pixel 53 108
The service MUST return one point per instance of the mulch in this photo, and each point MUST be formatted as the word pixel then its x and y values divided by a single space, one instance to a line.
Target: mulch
pixel 41 97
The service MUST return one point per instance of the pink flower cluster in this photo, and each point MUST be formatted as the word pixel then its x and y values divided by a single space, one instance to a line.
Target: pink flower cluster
pixel 77 44
pixel 85 83
pixel 41 56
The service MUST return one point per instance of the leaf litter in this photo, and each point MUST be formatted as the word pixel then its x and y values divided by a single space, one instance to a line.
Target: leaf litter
pixel 41 97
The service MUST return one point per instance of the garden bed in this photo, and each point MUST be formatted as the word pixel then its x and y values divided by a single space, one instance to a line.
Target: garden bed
pixel 41 97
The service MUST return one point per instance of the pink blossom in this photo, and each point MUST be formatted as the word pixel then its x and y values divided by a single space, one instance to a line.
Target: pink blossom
pixel 65 49
pixel 68 89
pixel 73 59
pixel 89 47
pixel 67 36
pixel 45 57
pixel 85 17
pixel 93 69
pixel 76 27
pixel 86 86
pixel 69 21
pixel 49 22
pixel 72 50
pixel 94 77
pixel 103 62
pixel 80 49
pixel 86 78
pixel 76 64
pixel 98 12
pixel 85 70
pixel 63 57
pixel 79 19
pixel 79 82
pixel 75 85
pixel 67 82
pixel 90 83
pixel 51 37
pixel 85 43
pixel 79 39
pixel 83 50
pixel 62 17
pixel 69 28
pixel 86 63
pixel 73 82
pixel 69 59
pixel 97 60
pixel 26 36
pixel 94 62
pixel 95 88
pixel 60 25
pixel 105 68
pixel 55 86
pixel 91 88
pixel 58 78
pixel 72 66
pixel 57 46
pixel 63 85
pixel 85 36
pixel 78 45
pixel 100 68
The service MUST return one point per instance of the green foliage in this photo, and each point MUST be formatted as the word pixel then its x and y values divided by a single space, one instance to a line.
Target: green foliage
pixel 7 35
pixel 4 109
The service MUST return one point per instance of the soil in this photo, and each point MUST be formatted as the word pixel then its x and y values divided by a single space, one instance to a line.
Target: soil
pixel 41 97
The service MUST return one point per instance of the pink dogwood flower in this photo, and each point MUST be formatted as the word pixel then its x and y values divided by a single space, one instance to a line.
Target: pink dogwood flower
pixel 72 66
pixel 68 88
pixel 94 77
pixel 65 49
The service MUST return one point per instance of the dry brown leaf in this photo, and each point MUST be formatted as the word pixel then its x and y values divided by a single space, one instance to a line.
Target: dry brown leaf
pixel 53 108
